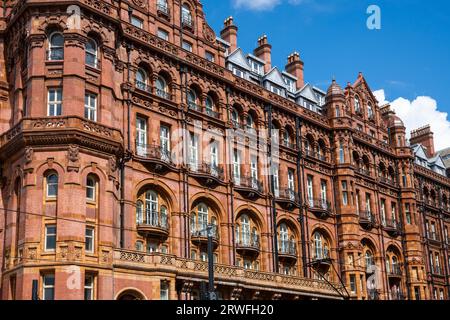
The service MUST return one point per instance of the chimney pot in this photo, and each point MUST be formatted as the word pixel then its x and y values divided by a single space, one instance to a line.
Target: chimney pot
pixel 295 67
pixel 229 33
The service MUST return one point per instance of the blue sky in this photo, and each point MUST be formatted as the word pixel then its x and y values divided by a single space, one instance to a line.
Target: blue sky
pixel 406 60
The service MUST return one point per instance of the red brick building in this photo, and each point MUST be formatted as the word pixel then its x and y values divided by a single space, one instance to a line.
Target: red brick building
pixel 127 127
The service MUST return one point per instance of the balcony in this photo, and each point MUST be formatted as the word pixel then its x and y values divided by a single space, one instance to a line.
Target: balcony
pixel 163 10
pixel 287 197
pixel 367 219
pixel 388 181
pixel 321 259
pixel 392 227
pixel 199 235
pixel 154 224
pixel 321 208
pixel 249 187
pixel 163 94
pixel 288 144
pixel 207 173
pixel 433 236
pixel 287 250
pixel 248 245
pixel 314 155
pixel 436 270
pixel 363 171
pixel 158 157
pixel 186 21
pixel 394 272
pixel 212 113
pixel 143 86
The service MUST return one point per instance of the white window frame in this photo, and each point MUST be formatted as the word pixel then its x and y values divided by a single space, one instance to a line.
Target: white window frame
pixel 164 136
pixel 137 22
pixel 141 135
pixel 47 235
pixel 89 286
pixel 237 167
pixel 92 53
pixel 310 190
pixel 91 189
pixel 90 239
pixel 193 152
pixel 90 106
pixel 46 286
pixel 56 104
pixel 163 34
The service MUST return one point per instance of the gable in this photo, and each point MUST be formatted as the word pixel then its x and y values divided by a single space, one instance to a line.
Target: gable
pixel 275 76
pixel 420 152
pixel 307 92
pixel 237 57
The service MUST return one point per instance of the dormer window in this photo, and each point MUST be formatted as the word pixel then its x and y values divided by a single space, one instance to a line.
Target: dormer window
pixel 257 68
pixel 237 72
pixel 290 84
pixel 275 89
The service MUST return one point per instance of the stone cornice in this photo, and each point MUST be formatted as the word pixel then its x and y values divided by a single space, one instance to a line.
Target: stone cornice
pixel 53 131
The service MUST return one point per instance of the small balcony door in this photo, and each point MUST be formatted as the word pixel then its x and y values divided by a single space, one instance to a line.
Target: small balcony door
pixel 141 136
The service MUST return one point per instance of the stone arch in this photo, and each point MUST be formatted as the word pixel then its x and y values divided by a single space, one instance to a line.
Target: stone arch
pixel 130 294
pixel 254 213
pixel 159 186
pixel 211 201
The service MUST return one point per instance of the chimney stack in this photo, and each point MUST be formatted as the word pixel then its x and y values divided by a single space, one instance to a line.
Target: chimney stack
pixel 424 136
pixel 264 52
pixel 294 66
pixel 229 33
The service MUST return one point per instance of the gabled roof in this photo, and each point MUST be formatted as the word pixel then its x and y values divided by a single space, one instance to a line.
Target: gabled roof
pixel 307 92
pixel 419 151
pixel 237 57
pixel 437 161
pixel 275 76
pixel 361 81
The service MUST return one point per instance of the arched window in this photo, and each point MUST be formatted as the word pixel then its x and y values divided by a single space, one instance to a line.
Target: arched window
pixel 56 47
pixel 235 118
pixel 139 246
pixel 287 138
pixel 186 16
pixel 357 104
pixel 192 100
pixel 284 238
pixel 151 210
pixel 139 212
pixel 250 123
pixel 91 188
pixel 91 53
pixel 209 106
pixel 52 185
pixel 245 224
pixel 162 88
pixel 369 259
pixel 318 246
pixel 142 80
pixel 370 111
pixel 162 6
pixel 200 218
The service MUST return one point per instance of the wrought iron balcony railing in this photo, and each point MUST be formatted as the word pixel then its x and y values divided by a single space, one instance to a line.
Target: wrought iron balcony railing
pixel 287 194
pixel 394 270
pixel 163 94
pixel 367 217
pixel 163 8
pixel 248 182
pixel 434 236
pixel 208 169
pixel 200 230
pixel 153 152
pixel 247 240
pixel 143 86
pixel 153 218
pixel 321 204
pixel 288 247
pixel 314 154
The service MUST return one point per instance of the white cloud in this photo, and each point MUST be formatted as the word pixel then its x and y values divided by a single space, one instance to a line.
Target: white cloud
pixel 420 112
pixel 258 5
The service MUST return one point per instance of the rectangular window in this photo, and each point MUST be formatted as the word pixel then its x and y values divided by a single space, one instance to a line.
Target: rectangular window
pixel 89 287
pixel 54 102
pixel 164 136
pixel 141 136
pixel 193 152
pixel 383 212
pixel 237 167
pixel 368 204
pixel 341 153
pixel 276 182
pixel 344 193
pixel 164 291
pixel 417 293
pixel 353 283
pixel 214 155
pixel 187 46
pixel 323 191
pixel 137 22
pixel 254 170
pixel 291 184
pixel 408 213
pixel 90 106
pixel 237 72
pixel 310 191
pixel 50 237
pixel 394 213
pixel 89 239
pixel 163 34
pixel 48 287
pixel 209 56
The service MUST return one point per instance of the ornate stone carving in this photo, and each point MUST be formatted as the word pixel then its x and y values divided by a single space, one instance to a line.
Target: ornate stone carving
pixel 28 155
pixel 73 153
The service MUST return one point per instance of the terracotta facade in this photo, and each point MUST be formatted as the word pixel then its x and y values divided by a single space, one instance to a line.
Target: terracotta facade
pixel 118 147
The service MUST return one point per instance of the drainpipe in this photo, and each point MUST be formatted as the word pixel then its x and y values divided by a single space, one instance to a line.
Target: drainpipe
pixel 403 239
pixel 272 190
pixel 233 245
pixel 298 128
pixel 443 239
pixel 424 232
